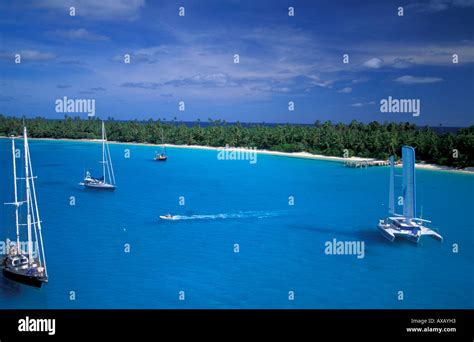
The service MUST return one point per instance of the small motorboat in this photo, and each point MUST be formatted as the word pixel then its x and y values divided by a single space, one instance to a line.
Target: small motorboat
pixel 168 217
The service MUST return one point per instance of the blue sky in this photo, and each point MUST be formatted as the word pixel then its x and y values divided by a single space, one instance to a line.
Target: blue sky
pixel 282 59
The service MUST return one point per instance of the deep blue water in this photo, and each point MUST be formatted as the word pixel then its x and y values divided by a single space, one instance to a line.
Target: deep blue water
pixel 228 202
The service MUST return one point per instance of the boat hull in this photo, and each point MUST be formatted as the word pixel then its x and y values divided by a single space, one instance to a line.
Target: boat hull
pixel 109 187
pixel 30 280
pixel 411 237
pixel 386 234
pixel 391 233
pixel 168 218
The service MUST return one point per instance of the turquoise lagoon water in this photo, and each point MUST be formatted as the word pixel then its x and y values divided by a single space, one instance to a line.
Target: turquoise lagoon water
pixel 281 247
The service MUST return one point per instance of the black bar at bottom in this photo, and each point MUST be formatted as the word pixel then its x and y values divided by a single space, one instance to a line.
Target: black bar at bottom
pixel 227 324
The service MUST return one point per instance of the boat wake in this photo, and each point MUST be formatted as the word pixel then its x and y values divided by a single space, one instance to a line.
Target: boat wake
pixel 239 215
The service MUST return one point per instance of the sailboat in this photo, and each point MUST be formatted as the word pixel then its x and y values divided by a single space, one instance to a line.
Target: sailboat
pixel 26 264
pixel 405 225
pixel 107 181
pixel 161 156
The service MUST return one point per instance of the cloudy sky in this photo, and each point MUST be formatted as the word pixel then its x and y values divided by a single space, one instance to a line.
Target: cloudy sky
pixel 282 58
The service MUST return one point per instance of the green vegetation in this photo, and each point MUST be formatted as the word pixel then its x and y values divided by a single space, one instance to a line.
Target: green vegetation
pixel 373 140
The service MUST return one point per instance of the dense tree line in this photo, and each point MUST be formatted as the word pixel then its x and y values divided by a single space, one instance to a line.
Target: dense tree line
pixel 374 140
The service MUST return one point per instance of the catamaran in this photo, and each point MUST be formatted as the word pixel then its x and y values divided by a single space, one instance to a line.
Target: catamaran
pixel 406 225
pixel 107 181
pixel 26 266
pixel 161 156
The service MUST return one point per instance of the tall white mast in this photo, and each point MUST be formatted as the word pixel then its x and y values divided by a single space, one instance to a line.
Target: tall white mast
pixel 103 150
pixel 163 142
pixel 37 220
pixel 28 200
pixel 108 159
pixel 16 204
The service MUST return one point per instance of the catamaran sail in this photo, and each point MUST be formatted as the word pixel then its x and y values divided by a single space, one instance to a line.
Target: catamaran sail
pixel 391 192
pixel 409 191
pixel 407 225
pixel 107 180
pixel 19 265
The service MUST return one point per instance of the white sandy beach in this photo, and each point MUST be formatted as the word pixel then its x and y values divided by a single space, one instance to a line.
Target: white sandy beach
pixel 306 155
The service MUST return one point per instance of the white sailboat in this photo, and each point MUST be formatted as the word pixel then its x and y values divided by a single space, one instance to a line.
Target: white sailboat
pixel 406 225
pixel 26 264
pixel 161 156
pixel 107 181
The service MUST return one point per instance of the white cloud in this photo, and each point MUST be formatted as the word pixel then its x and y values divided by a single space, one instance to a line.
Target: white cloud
pixel 402 63
pixel 200 64
pixel 317 81
pixel 271 89
pixel 374 63
pixel 28 55
pixel 407 79
pixel 359 80
pixel 98 9
pixel 141 85
pixel 463 3
pixel 440 5
pixel 80 33
pixel 408 55
pixel 361 104
pixel 35 55
pixel 346 90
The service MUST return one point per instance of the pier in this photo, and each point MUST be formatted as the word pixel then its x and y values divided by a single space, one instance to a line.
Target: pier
pixel 366 163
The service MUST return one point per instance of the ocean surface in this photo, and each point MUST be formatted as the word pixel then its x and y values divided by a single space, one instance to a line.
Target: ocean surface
pixel 234 206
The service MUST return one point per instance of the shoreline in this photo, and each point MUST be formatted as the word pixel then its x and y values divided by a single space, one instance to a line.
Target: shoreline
pixel 301 155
